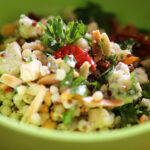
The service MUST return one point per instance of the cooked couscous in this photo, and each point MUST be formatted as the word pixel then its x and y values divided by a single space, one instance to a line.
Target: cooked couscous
pixel 71 76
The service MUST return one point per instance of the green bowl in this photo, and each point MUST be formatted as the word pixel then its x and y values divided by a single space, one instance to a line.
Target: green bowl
pixel 17 136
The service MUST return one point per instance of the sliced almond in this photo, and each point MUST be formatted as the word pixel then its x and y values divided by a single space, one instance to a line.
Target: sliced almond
pixel 104 103
pixel 10 80
pixel 48 79
pixel 35 105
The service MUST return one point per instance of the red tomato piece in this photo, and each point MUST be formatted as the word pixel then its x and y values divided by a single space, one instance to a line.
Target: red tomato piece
pixel 79 54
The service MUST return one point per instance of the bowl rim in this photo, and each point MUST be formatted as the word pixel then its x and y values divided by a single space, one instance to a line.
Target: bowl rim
pixel 67 136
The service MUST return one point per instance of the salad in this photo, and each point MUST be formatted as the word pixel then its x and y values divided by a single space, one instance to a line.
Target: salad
pixel 79 72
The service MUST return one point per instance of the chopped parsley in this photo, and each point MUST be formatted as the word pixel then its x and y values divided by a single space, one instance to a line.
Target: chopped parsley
pixel 130 114
pixel 68 79
pixel 57 33
pixel 79 87
pixel 70 60
pixel 67 117
pixel 113 64
pixel 127 44
pixel 27 59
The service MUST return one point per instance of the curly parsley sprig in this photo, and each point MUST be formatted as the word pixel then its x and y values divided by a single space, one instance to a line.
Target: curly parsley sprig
pixel 57 33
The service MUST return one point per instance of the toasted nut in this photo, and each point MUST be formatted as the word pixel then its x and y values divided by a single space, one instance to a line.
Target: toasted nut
pixel 48 79
pixel 4 87
pixel 8 30
pixel 10 80
pixel 96 47
pixel 49 124
pixel 105 44
pixel 47 99
pixel 84 69
pixel 35 105
pixel 143 119
pixel 66 95
pixel 89 101
pixel 44 109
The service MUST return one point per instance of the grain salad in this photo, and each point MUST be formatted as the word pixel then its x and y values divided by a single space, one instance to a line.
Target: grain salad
pixel 67 75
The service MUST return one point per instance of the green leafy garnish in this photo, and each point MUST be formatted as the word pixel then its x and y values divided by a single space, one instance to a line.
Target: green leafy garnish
pixel 93 12
pixel 89 40
pixel 128 44
pixel 27 59
pixel 127 113
pixel 1 39
pixel 68 79
pixel 130 113
pixel 146 90
pixel 113 64
pixel 96 85
pixel 70 60
pixel 133 86
pixel 67 117
pixel 79 86
pixel 57 33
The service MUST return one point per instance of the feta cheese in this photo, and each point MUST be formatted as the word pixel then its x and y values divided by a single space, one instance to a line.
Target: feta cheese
pixel 121 84
pixel 100 118
pixel 141 75
pixel 60 74
pixel 146 102
pixel 30 71
pixel 84 69
pixel 12 59
pixel 26 28
pixel 53 89
pixel 98 95
pixel 82 43
pixel 33 70
pixel 115 49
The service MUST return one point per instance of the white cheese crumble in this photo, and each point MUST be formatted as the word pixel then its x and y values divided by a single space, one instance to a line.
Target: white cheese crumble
pixel 26 28
pixel 121 84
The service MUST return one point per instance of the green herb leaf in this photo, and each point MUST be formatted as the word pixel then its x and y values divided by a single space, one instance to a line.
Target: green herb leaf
pixel 67 117
pixel 113 64
pixel 70 60
pixel 128 114
pixel 27 59
pixel 146 91
pixel 127 44
pixel 57 33
pixel 96 85
pixel 79 87
pixel 68 79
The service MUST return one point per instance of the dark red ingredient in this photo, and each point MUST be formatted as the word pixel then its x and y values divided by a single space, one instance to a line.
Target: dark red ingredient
pixel 34 16
pixel 34 24
pixel 118 34
pixel 79 54
pixel 2 55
